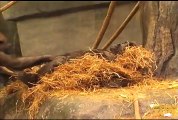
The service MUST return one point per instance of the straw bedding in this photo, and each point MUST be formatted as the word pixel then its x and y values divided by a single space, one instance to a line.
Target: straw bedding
pixel 88 73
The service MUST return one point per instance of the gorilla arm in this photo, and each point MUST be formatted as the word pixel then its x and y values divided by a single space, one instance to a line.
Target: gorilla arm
pixel 22 62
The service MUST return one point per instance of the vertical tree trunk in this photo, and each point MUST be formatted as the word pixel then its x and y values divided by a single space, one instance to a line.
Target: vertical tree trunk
pixel 159 21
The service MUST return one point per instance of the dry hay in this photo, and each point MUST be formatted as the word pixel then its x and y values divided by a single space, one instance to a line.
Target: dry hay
pixel 11 88
pixel 91 72
pixel 127 94
pixel 160 110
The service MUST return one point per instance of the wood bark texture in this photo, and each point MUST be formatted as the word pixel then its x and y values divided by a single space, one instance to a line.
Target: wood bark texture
pixel 159 21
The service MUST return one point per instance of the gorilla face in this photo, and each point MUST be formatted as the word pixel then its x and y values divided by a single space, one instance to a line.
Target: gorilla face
pixel 119 48
pixel 4 45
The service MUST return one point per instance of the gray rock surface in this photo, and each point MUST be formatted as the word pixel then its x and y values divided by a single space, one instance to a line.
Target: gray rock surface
pixel 88 106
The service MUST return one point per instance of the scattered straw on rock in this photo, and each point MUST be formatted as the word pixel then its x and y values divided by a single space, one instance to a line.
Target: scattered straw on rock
pixel 91 72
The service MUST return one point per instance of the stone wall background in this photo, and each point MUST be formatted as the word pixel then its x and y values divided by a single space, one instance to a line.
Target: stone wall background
pixel 57 27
